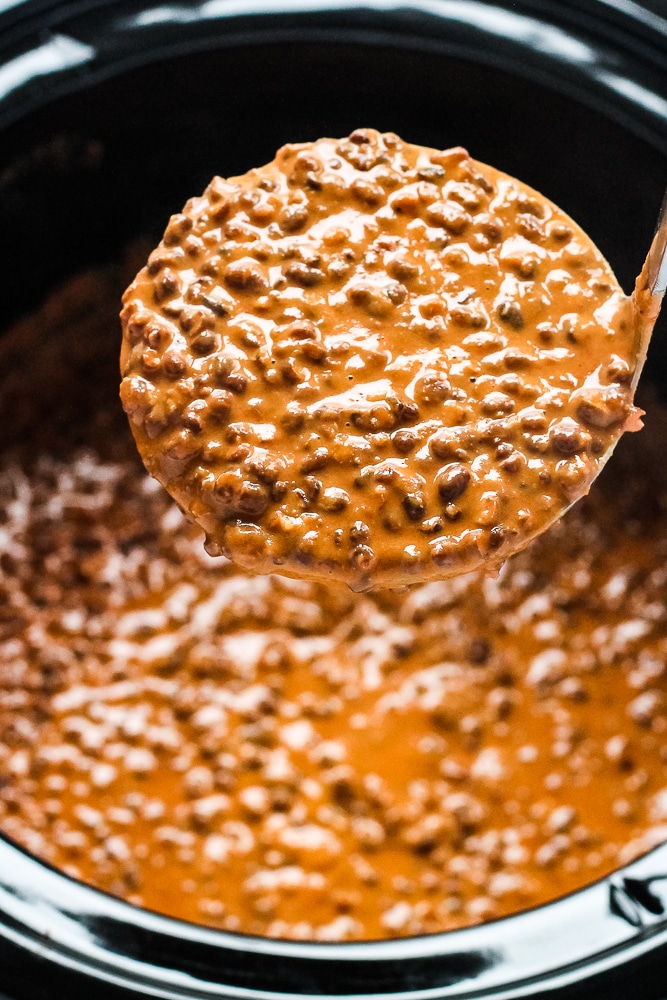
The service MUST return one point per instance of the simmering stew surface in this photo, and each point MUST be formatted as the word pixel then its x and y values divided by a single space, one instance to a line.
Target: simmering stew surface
pixel 285 757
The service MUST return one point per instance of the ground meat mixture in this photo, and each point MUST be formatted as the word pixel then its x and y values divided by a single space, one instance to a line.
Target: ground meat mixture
pixel 375 362
pixel 287 758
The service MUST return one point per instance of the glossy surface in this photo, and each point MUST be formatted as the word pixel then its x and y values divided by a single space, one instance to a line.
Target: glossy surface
pixel 374 362
pixel 286 758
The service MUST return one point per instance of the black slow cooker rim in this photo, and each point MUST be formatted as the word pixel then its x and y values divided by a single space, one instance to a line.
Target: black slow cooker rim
pixel 44 913
pixel 581 936
pixel 53 47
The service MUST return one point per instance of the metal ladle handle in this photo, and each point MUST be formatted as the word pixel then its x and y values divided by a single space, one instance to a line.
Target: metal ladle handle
pixel 656 261
pixel 649 291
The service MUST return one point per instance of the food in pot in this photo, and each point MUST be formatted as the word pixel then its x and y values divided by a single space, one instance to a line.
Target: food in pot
pixel 374 362
pixel 287 758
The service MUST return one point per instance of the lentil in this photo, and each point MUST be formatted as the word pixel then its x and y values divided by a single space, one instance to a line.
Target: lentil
pixel 359 288
pixel 246 752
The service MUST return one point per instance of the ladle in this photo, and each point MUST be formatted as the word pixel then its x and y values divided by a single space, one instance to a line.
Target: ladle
pixel 410 379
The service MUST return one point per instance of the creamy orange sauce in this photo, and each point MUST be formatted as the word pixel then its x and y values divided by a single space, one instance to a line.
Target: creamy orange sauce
pixel 374 362
pixel 288 758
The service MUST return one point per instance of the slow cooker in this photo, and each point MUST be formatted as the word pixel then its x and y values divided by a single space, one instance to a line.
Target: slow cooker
pixel 112 112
